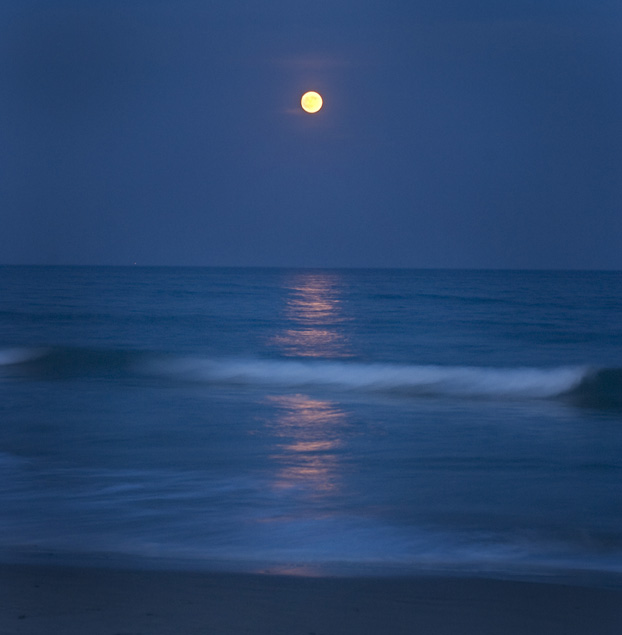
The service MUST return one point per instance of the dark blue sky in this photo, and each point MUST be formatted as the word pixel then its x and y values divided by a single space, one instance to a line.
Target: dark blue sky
pixel 453 134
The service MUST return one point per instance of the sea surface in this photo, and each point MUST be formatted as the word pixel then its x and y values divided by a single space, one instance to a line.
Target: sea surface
pixel 312 421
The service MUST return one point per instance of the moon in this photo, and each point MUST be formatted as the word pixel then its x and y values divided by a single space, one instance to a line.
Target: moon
pixel 311 101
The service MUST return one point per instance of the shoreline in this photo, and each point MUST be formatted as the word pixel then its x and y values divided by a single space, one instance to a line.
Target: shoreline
pixel 69 599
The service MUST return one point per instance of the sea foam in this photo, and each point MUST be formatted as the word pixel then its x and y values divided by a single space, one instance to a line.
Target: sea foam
pixel 387 378
pixel 584 385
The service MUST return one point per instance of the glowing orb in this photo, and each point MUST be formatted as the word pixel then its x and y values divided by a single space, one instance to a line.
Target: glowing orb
pixel 311 101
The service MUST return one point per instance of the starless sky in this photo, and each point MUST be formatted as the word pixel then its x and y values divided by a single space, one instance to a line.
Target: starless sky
pixel 453 133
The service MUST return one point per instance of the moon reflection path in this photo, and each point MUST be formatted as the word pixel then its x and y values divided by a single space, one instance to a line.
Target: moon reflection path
pixel 315 320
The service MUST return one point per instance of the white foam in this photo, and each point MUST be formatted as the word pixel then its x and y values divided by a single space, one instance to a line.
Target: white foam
pixel 461 381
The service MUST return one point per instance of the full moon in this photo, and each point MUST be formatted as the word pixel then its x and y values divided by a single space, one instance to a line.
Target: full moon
pixel 311 101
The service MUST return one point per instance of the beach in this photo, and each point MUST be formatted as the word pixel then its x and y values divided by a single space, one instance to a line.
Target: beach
pixel 42 599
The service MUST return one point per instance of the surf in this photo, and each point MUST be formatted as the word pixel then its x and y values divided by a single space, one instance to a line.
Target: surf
pixel 407 380
pixel 582 385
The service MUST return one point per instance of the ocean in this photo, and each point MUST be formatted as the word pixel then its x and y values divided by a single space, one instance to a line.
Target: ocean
pixel 353 422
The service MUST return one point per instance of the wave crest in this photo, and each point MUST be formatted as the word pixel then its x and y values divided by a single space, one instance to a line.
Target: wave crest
pixel 387 378
pixel 579 385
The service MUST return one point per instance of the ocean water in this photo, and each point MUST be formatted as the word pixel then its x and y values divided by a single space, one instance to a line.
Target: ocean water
pixel 312 421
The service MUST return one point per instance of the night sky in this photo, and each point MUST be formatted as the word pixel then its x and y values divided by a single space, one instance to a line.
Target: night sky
pixel 483 134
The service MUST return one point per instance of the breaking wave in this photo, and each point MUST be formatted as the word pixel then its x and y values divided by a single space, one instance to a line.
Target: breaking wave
pixel 582 385
pixel 386 378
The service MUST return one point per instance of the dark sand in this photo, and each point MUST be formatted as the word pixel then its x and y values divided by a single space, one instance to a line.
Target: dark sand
pixel 89 601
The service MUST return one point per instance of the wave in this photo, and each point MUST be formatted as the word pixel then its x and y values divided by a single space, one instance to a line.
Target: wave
pixel 66 362
pixel 579 385
pixel 582 385
pixel 13 356
pixel 407 379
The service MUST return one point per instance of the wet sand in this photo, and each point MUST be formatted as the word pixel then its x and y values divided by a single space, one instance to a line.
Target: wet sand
pixel 78 600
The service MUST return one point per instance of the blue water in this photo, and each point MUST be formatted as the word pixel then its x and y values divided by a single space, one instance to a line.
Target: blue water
pixel 312 420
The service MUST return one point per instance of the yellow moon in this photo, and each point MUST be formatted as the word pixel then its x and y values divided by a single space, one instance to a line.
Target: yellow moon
pixel 311 101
